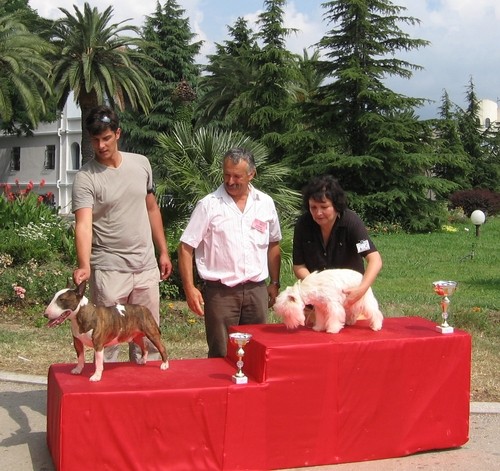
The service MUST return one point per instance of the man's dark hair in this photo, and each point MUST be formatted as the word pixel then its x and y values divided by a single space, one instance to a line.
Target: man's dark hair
pixel 100 119
pixel 325 187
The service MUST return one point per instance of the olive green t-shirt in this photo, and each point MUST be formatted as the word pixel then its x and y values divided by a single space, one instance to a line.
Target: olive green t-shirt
pixel 121 232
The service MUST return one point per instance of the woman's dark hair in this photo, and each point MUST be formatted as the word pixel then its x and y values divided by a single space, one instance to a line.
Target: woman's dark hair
pixel 324 187
pixel 100 119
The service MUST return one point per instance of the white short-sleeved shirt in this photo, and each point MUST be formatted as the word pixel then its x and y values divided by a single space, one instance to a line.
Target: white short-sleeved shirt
pixel 231 246
pixel 121 231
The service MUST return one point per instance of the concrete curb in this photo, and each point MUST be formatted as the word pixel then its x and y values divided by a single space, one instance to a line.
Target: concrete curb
pixel 22 378
pixel 475 407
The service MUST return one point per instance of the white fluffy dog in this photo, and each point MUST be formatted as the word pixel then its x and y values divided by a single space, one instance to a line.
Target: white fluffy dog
pixel 324 290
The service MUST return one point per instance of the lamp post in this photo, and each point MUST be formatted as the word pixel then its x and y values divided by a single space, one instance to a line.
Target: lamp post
pixel 477 218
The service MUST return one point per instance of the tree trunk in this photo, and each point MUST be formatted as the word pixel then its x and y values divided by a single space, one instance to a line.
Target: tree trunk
pixel 87 101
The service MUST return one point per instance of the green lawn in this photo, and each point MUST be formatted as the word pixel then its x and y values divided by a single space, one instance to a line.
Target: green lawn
pixel 403 288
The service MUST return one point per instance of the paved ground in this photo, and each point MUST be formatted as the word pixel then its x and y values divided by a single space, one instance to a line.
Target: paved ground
pixel 23 446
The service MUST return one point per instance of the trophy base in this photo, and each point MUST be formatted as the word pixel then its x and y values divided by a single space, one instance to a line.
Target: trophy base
pixel 240 379
pixel 444 330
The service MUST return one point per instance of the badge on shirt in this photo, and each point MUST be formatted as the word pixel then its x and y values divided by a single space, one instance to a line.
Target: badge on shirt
pixel 363 246
pixel 261 226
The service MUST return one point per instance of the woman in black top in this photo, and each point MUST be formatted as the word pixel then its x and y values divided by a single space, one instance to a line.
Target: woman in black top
pixel 329 235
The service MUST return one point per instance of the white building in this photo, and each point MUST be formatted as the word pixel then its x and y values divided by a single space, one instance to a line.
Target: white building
pixel 489 113
pixel 52 154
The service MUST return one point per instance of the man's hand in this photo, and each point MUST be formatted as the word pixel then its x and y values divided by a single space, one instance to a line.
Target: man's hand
pixel 80 275
pixel 165 266
pixel 195 301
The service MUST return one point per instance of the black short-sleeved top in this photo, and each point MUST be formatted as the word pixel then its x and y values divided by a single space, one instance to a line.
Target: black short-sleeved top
pixel 349 242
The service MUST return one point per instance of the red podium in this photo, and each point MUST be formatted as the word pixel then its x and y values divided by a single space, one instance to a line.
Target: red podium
pixel 312 399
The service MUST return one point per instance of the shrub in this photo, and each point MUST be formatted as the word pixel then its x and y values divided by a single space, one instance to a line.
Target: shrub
pixel 20 206
pixel 31 281
pixel 31 227
pixel 477 198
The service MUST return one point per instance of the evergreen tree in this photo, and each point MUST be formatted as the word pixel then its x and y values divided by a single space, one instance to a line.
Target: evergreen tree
pixel 305 140
pixel 472 137
pixel 491 156
pixel 381 152
pixel 173 77
pixel 361 52
pixel 273 112
pixel 230 75
pixel 452 160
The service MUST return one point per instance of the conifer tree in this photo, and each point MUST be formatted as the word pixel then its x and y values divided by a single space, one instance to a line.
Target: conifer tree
pixel 273 111
pixel 230 75
pixel 173 81
pixel 453 162
pixel 381 155
pixel 360 52
pixel 476 142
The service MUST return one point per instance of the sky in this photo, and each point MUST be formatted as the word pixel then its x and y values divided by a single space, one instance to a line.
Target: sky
pixel 464 37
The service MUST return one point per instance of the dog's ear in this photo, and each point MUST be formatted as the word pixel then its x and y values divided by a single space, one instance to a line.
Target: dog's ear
pixel 80 289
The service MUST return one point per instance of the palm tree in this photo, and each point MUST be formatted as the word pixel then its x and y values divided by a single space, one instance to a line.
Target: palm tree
pixel 97 64
pixel 24 71
pixel 189 165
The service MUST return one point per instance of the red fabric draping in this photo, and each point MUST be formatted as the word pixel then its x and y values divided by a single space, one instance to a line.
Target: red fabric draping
pixel 312 399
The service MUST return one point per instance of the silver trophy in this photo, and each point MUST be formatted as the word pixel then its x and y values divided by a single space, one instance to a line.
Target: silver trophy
pixel 240 339
pixel 444 289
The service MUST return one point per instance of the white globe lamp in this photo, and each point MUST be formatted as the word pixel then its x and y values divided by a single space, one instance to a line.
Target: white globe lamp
pixel 477 218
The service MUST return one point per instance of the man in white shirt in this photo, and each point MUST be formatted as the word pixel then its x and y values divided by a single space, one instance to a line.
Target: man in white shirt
pixel 234 233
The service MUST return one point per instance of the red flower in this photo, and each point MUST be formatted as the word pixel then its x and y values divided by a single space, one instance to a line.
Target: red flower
pixel 42 183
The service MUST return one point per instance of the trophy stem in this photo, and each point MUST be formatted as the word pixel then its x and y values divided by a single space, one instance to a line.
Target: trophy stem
pixel 240 363
pixel 444 308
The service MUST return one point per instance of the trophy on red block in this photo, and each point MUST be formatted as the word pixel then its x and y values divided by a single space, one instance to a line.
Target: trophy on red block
pixel 240 340
pixel 444 289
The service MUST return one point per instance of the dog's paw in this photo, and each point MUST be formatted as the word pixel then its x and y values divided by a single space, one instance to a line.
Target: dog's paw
pixel 334 327
pixel 76 370
pixel 164 366
pixel 95 377
pixel 376 326
pixel 334 330
pixel 141 361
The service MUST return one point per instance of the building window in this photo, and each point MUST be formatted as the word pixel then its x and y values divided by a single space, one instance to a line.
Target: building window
pixel 15 159
pixel 50 158
pixel 487 123
pixel 75 156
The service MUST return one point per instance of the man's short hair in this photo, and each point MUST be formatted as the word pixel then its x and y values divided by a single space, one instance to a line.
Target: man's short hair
pixel 100 119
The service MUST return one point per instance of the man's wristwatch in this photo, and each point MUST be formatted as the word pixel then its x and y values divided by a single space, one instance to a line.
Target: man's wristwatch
pixel 276 283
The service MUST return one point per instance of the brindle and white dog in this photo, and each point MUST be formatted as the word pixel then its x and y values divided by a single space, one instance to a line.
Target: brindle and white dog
pixel 98 327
